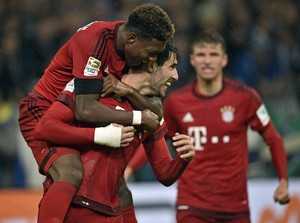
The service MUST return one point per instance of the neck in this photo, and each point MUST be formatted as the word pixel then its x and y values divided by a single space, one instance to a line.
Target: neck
pixel 210 87
pixel 139 81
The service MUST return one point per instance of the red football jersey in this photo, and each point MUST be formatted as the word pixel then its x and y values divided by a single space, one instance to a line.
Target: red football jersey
pixel 216 179
pixel 90 53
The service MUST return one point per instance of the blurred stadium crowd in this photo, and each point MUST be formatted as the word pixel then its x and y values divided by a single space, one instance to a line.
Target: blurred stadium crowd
pixel 262 40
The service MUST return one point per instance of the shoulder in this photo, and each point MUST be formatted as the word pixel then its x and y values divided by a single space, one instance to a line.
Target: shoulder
pixel 101 25
pixel 97 29
pixel 177 98
pixel 180 92
pixel 242 89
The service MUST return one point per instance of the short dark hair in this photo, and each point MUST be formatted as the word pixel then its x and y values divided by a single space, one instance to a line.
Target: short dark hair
pixel 150 21
pixel 209 36
pixel 167 53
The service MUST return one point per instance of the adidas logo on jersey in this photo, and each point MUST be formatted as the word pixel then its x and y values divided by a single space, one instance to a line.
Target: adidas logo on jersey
pixel 188 117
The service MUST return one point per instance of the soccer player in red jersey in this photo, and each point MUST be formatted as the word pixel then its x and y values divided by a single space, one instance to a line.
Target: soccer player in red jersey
pixel 215 112
pixel 96 50
pixel 104 166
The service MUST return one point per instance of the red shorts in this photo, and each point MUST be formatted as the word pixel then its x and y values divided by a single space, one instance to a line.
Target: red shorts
pixel 82 215
pixel 32 109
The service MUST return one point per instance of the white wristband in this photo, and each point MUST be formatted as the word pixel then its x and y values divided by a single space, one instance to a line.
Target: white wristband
pixel 137 117
pixel 108 136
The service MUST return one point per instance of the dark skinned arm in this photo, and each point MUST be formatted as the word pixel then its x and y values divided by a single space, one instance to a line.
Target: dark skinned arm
pixel 90 110
pixel 139 101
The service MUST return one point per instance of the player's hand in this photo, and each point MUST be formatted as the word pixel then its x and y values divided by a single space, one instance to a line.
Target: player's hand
pixel 149 121
pixel 127 134
pixel 114 135
pixel 281 194
pixel 113 85
pixel 184 146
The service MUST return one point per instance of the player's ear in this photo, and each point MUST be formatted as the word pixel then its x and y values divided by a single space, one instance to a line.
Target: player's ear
pixel 152 66
pixel 131 37
pixel 225 60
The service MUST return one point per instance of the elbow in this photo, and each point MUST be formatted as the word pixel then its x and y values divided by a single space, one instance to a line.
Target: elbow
pixel 83 115
pixel 166 181
pixel 38 133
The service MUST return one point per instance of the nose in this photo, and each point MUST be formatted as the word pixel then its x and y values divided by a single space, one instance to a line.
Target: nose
pixel 207 59
pixel 175 76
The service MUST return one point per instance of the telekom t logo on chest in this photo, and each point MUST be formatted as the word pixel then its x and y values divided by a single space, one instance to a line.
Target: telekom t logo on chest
pixel 200 138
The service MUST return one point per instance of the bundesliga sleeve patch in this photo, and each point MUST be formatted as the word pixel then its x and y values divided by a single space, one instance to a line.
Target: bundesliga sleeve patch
pixel 92 67
pixel 263 115
pixel 70 86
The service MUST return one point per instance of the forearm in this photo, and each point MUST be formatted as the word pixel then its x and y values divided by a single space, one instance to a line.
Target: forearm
pixel 278 154
pixel 137 99
pixel 168 172
pixel 166 169
pixel 53 128
pixel 90 110
pixel 63 134
pixel 141 102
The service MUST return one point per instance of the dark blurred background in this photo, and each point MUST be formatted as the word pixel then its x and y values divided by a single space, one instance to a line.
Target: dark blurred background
pixel 262 40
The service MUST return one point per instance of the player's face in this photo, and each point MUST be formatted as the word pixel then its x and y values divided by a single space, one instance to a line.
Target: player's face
pixel 138 51
pixel 164 76
pixel 208 59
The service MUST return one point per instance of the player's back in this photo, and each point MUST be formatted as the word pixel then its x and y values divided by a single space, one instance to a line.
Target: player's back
pixel 90 53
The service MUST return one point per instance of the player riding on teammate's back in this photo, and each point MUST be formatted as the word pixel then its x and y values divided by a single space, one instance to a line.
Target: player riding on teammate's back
pixel 93 52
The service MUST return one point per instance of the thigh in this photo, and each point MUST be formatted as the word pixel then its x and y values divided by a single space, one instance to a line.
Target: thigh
pixel 31 111
pixel 60 160
pixel 65 161
pixel 83 215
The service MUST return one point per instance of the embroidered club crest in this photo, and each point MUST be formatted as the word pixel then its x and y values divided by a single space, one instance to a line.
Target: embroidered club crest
pixel 227 113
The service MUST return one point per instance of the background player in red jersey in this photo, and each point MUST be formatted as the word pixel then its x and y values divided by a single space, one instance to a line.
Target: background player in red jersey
pixel 97 191
pixel 216 112
pixel 96 50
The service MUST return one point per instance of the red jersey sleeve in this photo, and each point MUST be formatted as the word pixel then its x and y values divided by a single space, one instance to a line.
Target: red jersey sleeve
pixel 166 169
pixel 54 127
pixel 93 49
pixel 262 122
pixel 276 146
pixel 81 46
